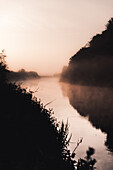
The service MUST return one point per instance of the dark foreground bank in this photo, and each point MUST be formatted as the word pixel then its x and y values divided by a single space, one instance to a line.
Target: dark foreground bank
pixel 30 137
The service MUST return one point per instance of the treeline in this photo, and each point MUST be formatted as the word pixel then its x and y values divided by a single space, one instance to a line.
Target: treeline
pixel 30 137
pixel 93 64
pixel 21 75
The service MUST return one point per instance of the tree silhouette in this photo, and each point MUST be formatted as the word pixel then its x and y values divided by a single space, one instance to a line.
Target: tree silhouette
pixel 93 65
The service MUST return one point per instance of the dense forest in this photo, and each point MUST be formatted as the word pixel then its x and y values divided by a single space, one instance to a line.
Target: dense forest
pixel 93 64
pixel 30 137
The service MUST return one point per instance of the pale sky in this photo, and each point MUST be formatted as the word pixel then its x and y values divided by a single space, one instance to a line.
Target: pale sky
pixel 42 35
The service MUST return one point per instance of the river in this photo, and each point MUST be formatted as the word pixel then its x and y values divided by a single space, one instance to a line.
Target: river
pixel 75 105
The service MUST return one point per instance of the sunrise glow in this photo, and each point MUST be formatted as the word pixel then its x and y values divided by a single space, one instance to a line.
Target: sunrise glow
pixel 42 35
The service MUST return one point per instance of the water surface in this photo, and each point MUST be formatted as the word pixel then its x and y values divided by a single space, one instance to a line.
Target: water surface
pixel 81 106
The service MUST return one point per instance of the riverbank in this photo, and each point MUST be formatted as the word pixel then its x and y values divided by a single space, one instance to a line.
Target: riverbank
pixel 30 136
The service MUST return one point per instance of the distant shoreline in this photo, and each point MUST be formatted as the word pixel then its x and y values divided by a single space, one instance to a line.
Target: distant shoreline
pixel 22 75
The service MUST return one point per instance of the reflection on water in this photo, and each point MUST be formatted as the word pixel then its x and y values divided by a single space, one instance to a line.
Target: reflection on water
pixel 88 101
pixel 97 104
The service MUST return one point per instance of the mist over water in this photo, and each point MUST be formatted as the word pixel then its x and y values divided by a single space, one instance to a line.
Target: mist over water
pixel 81 106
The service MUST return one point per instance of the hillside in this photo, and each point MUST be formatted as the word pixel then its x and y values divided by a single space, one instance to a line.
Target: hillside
pixel 93 64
